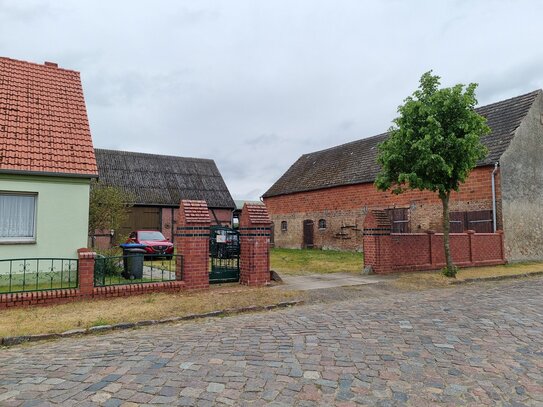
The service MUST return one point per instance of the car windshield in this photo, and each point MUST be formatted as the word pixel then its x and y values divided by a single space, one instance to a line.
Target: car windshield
pixel 151 236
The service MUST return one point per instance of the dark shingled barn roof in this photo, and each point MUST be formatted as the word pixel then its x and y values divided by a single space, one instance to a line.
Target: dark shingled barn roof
pixel 356 162
pixel 163 180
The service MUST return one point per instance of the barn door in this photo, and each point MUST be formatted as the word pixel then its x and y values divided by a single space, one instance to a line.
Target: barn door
pixel 480 221
pixel 457 221
pixel 308 234
pixel 142 218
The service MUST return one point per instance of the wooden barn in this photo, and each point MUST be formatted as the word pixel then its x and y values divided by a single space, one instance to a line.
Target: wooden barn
pixel 157 184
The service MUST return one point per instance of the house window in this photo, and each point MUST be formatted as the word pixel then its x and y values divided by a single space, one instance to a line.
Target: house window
pixel 284 226
pixel 322 224
pixel 17 217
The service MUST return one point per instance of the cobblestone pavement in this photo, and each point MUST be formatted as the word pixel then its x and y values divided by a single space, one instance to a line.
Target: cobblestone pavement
pixel 470 345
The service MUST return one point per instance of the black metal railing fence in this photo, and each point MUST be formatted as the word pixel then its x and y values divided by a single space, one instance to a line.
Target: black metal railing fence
pixel 37 274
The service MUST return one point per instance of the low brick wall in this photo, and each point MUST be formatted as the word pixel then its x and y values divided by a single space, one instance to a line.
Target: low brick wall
pixel 50 297
pixel 387 252
pixel 86 289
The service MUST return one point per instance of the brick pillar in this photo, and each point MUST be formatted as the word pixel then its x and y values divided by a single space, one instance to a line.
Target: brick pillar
pixel 431 247
pixel 254 228
pixel 502 245
pixel 192 242
pixel 471 243
pixel 377 243
pixel 86 271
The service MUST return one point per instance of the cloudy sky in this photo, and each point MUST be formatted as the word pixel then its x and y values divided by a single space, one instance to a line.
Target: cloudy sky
pixel 253 84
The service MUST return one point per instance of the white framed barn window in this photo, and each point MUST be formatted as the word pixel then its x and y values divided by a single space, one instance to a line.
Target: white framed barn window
pixel 17 217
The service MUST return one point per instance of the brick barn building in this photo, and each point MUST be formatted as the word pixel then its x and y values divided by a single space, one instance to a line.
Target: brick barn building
pixel 157 184
pixel 322 199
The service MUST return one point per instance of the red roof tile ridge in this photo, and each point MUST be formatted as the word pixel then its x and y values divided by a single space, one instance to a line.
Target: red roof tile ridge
pixel 44 65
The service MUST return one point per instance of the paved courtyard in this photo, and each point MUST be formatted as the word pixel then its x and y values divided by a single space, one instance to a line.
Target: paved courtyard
pixel 470 345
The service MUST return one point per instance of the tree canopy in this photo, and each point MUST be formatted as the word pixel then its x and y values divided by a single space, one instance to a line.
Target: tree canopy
pixel 107 207
pixel 434 144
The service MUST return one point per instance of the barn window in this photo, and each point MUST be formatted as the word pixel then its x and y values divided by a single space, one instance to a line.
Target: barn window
pixel 399 220
pixel 284 226
pixel 322 223
pixel 479 221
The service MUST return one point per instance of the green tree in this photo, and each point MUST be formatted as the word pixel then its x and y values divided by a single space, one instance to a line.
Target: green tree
pixel 433 145
pixel 107 207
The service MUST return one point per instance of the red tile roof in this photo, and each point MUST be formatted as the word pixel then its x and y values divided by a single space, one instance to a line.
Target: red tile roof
pixel 43 120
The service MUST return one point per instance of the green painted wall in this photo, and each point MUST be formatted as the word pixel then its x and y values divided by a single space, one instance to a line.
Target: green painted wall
pixel 61 219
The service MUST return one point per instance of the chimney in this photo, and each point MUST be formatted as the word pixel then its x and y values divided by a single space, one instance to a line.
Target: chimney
pixel 51 64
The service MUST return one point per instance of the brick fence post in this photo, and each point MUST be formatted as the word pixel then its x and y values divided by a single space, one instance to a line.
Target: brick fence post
pixel 86 271
pixel 471 243
pixel 431 247
pixel 254 228
pixel 502 245
pixel 377 241
pixel 192 242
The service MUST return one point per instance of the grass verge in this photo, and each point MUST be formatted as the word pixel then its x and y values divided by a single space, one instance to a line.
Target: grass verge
pixel 304 261
pixel 85 314
pixel 434 279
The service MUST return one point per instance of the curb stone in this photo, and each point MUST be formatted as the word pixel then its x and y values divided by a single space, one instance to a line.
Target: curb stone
pixel 496 278
pixel 17 340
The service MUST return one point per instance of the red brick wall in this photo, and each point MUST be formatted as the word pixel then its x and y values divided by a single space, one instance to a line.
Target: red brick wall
pixel 388 253
pixel 348 205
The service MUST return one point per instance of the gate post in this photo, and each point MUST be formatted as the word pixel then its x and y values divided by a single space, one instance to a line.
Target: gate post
pixel 192 242
pixel 254 229
pixel 377 252
pixel 86 271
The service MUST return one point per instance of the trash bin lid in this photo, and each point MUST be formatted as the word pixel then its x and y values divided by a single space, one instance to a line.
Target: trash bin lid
pixel 132 246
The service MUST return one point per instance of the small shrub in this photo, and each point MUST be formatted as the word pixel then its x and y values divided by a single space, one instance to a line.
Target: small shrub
pixel 451 273
pixel 109 263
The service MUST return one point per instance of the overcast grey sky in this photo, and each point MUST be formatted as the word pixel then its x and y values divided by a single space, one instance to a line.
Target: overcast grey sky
pixel 254 84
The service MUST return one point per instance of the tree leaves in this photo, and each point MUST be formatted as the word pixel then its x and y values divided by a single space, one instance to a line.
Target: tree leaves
pixel 435 142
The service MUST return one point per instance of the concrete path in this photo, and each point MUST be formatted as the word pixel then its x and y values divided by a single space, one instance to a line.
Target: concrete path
pixel 330 280
pixel 468 345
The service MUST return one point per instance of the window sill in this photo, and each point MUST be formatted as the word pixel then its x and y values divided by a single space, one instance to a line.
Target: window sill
pixel 17 242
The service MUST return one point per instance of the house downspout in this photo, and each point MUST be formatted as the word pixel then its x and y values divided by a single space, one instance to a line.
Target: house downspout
pixel 494 196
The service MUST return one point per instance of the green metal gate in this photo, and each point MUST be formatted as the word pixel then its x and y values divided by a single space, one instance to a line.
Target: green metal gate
pixel 224 253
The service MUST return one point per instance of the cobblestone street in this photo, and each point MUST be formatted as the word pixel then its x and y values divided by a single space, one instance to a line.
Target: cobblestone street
pixel 470 345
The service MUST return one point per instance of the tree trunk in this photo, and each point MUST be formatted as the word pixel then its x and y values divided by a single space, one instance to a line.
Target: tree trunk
pixel 450 270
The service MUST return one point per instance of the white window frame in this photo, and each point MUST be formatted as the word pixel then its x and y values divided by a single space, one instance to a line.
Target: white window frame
pixel 19 239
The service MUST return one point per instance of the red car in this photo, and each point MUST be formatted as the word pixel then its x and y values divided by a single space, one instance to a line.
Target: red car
pixel 154 241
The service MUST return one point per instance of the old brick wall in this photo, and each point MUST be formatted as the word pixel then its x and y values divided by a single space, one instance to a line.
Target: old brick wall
pixel 348 205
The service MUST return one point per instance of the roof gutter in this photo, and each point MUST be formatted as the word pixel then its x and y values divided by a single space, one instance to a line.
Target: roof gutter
pixel 47 174
pixel 493 176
